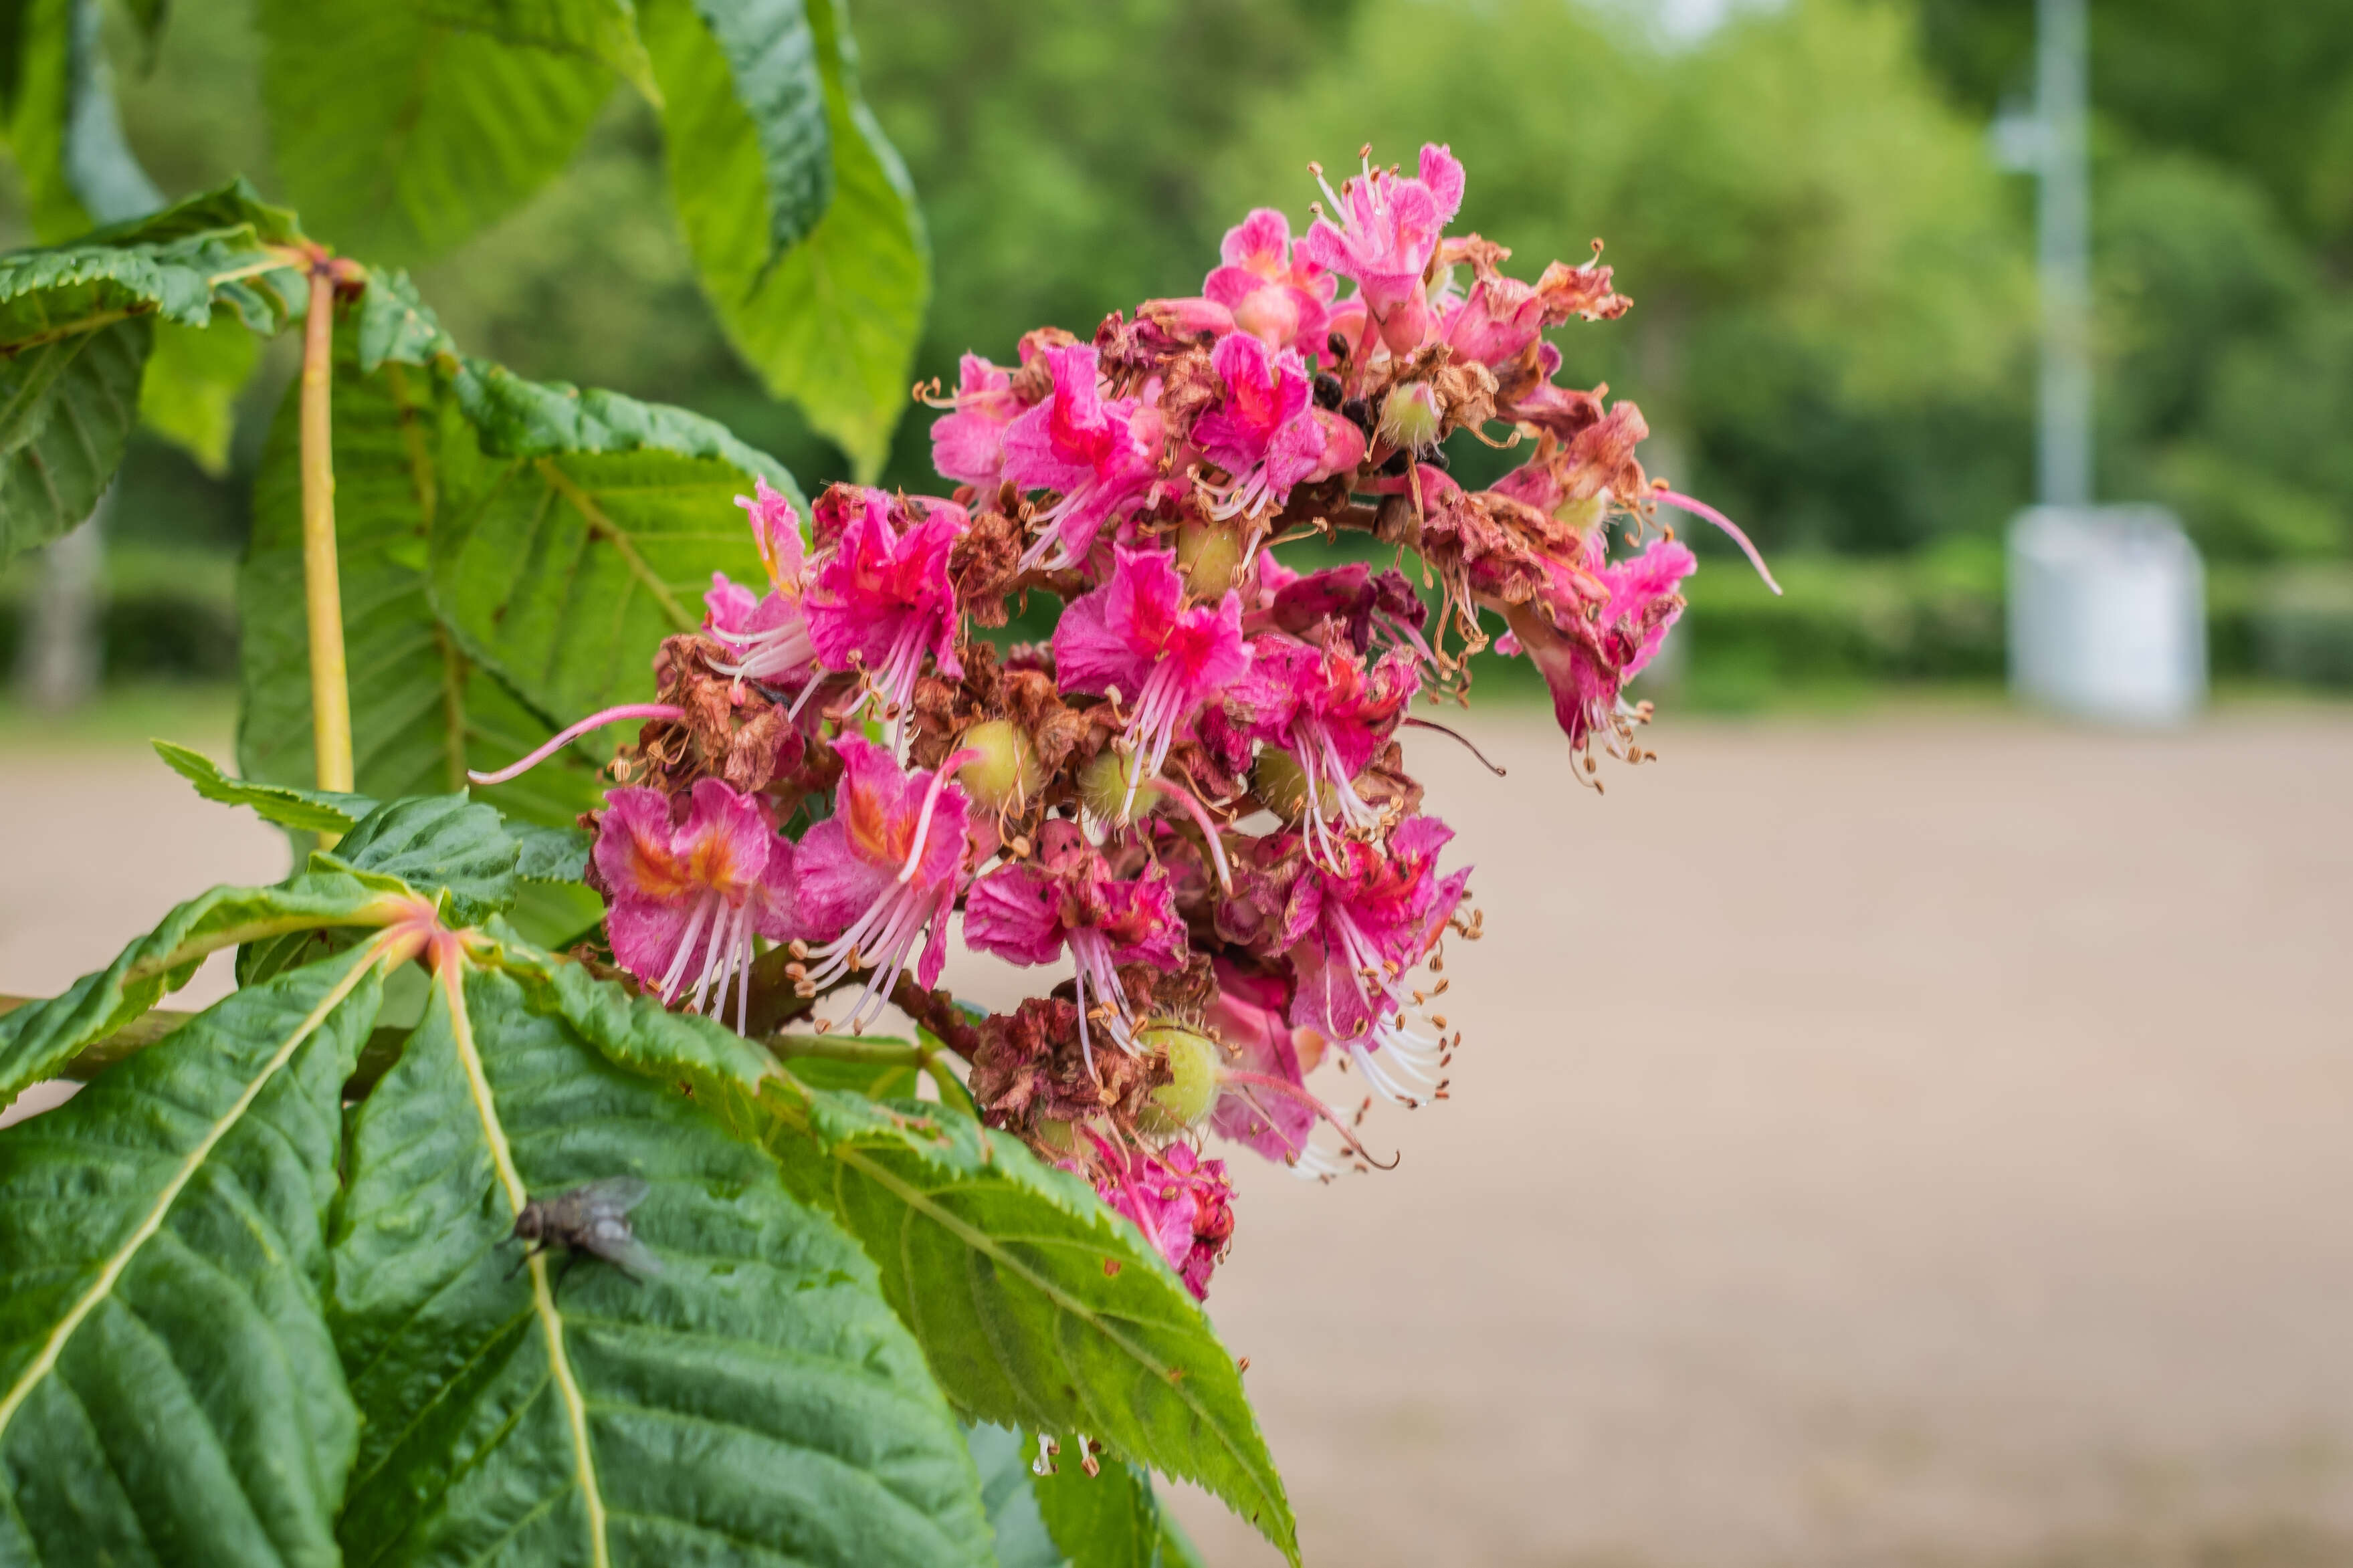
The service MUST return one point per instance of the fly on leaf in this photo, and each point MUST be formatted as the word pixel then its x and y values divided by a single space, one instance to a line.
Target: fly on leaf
pixel 594 1218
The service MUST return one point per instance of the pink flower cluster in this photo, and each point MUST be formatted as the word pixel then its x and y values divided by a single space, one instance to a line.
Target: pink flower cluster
pixel 1189 810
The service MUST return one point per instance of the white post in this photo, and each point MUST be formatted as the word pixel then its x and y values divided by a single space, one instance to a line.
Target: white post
pixel 2107 616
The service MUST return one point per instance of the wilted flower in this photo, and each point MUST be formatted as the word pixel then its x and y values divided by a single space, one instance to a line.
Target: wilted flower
pixel 1182 1202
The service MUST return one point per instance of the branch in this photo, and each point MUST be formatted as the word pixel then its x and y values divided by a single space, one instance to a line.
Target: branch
pixel 331 696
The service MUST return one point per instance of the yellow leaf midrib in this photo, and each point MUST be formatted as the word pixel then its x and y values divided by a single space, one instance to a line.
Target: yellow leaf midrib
pixel 550 1321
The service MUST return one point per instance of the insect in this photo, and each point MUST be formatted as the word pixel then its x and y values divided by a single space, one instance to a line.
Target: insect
pixel 591 1217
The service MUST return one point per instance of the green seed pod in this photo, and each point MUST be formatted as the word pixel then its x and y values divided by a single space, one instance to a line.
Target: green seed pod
pixel 1106 785
pixel 1285 785
pixel 1007 774
pixel 1208 553
pixel 1060 1137
pixel 1191 1091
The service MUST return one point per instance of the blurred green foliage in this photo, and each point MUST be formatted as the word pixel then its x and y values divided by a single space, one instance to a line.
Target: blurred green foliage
pixel 1834 317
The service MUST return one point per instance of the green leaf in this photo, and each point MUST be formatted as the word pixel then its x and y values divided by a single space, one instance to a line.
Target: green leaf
pixel 172 1393
pixel 637 1032
pixel 589 535
pixel 38 1038
pixel 422 711
pixel 66 412
pixel 396 324
pixel 1003 1458
pixel 188 396
pixel 755 1400
pixel 1111 1520
pixel 63 126
pixel 551 854
pixel 443 841
pixel 76 333
pixel 772 65
pixel 601 30
pixel 304 810
pixel 1037 1305
pixel 834 322
pixel 400 133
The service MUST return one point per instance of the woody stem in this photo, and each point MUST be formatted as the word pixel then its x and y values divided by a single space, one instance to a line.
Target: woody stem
pixel 331 698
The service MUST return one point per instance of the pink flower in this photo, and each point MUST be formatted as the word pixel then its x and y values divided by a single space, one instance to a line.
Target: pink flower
pixel 1358 926
pixel 968 444
pixel 1583 660
pixel 1495 322
pixel 770 633
pixel 882 599
pixel 1329 710
pixel 1182 1202
pixel 1026 913
pixel 880 872
pixel 1260 433
pixel 1387 235
pixel 1101 455
pixel 689 884
pixel 1135 632
pixel 1246 1015
pixel 1276 297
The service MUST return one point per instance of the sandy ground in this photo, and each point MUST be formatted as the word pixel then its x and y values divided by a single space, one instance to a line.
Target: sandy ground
pixel 1912 1140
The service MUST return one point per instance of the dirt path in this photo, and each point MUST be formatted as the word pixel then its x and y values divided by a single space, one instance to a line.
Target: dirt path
pixel 1888 1142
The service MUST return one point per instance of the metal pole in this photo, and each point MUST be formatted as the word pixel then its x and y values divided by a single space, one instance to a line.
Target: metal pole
pixel 2063 243
pixel 58 663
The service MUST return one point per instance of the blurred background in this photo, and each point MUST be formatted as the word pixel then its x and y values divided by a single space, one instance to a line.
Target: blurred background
pixel 1834 331
pixel 1934 1151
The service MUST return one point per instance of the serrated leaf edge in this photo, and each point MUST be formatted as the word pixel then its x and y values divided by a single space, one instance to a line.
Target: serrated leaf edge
pixel 111 1274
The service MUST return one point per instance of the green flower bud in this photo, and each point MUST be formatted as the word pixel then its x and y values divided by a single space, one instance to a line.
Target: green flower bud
pixel 1006 773
pixel 1208 553
pixel 1285 786
pixel 1411 417
pixel 1111 786
pixel 1191 1091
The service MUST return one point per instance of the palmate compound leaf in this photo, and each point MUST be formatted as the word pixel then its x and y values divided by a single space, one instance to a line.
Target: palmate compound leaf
pixel 753 1401
pixel 585 531
pixel 832 323
pixel 423 711
pixel 37 1039
pixel 168 1390
pixel 1038 1306
pixel 400 132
